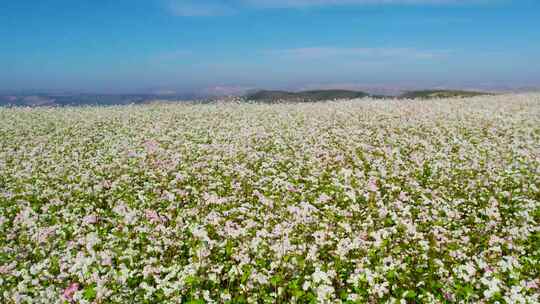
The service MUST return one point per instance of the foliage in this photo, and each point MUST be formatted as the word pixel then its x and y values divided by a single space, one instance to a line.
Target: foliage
pixel 303 96
pixel 394 201
pixel 426 94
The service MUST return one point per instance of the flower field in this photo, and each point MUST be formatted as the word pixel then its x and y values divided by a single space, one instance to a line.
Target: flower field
pixel 362 201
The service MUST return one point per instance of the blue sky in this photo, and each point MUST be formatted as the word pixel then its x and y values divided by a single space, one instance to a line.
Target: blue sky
pixel 226 46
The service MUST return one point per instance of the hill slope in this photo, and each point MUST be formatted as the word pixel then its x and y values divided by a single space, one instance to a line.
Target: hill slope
pixel 85 99
pixel 313 95
pixel 426 94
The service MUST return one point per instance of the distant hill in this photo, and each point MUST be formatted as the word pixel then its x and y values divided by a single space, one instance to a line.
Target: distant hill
pixel 426 94
pixel 313 95
pixel 36 100
pixel 267 96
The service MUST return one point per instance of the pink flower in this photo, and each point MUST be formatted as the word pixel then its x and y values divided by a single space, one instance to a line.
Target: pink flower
pixel 6 269
pixel 106 259
pixel 106 184
pixel 151 146
pixel 90 219
pixel 291 188
pixel 153 216
pixel 71 290
pixel 403 196
pixel 372 185
pixel 45 233
pixel 532 284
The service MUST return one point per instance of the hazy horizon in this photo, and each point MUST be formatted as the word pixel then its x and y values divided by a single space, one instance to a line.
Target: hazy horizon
pixel 227 47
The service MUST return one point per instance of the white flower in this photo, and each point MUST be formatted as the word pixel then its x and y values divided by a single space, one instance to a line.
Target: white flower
pixel 492 286
pixel 320 276
pixel 191 201
pixel 325 293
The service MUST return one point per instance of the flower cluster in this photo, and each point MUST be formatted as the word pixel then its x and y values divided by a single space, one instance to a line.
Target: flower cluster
pixel 363 201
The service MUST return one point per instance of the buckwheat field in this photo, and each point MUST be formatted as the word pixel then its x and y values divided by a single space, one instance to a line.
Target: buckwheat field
pixel 362 201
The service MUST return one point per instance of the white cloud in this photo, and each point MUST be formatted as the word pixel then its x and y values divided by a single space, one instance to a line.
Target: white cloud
pixel 222 90
pixel 220 8
pixel 307 3
pixel 357 53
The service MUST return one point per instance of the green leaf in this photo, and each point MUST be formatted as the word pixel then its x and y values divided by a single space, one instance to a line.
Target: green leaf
pixel 229 248
pixel 409 294
pixel 246 274
pixel 191 280
pixel 89 293
pixel 275 279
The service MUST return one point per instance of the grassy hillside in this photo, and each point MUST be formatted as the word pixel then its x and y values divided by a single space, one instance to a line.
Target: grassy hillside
pixel 265 95
pixel 426 94
pixel 313 95
pixel 320 95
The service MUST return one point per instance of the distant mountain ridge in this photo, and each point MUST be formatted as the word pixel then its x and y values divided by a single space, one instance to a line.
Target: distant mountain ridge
pixel 35 100
pixel 312 95
pixel 265 96
pixel 426 94
pixel 320 95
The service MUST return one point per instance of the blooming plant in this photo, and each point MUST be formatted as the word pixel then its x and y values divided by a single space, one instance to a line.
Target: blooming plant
pixel 363 201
